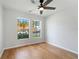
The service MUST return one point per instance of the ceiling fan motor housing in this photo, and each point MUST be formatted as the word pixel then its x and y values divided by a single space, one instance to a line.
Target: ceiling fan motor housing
pixel 41 1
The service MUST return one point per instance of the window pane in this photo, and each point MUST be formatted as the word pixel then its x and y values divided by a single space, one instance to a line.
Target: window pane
pixel 23 28
pixel 35 28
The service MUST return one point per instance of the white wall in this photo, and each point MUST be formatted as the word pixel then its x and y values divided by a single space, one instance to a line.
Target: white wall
pixel 62 28
pixel 10 28
pixel 0 29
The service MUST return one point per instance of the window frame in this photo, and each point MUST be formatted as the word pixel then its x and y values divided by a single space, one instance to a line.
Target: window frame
pixel 29 28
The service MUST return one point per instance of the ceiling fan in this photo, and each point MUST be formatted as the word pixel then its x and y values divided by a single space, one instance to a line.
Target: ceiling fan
pixel 43 5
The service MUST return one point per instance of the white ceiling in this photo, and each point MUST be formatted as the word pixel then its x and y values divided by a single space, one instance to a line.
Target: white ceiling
pixel 28 6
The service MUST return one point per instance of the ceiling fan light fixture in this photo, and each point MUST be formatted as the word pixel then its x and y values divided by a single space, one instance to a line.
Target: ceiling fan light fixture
pixel 41 8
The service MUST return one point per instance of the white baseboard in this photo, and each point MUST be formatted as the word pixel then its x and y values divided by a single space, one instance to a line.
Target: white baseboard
pixel 15 46
pixel 20 45
pixel 1 53
pixel 63 48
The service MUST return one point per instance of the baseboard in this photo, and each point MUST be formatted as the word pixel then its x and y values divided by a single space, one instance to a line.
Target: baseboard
pixel 22 45
pixel 1 53
pixel 63 48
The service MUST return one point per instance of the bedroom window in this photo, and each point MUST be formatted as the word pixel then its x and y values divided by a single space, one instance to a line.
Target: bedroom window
pixel 36 29
pixel 23 28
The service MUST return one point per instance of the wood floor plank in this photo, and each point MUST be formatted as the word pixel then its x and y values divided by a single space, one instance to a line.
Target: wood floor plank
pixel 38 51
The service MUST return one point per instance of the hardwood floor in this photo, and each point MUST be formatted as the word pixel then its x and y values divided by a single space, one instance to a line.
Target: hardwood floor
pixel 38 51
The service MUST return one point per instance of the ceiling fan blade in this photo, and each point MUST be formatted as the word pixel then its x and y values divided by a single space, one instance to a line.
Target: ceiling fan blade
pixel 47 2
pixel 50 8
